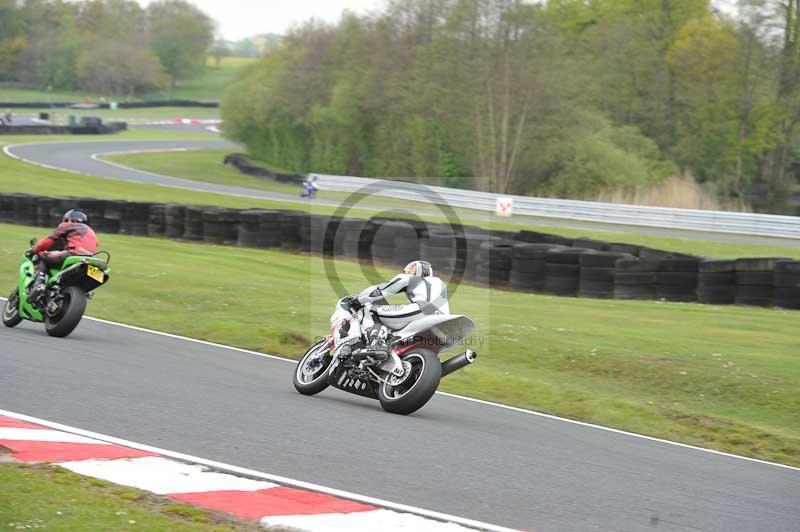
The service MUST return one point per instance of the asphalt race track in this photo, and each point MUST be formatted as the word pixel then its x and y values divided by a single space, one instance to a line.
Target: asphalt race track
pixel 77 156
pixel 455 456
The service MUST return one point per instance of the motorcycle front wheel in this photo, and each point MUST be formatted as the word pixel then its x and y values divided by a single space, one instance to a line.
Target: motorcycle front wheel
pixel 69 315
pixel 11 317
pixel 311 373
pixel 423 372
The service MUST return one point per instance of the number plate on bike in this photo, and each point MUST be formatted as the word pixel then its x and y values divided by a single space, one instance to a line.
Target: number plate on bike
pixel 95 273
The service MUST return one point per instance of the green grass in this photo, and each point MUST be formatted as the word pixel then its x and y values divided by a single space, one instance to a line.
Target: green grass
pixel 723 377
pixel 53 498
pixel 208 86
pixel 207 166
pixel 130 134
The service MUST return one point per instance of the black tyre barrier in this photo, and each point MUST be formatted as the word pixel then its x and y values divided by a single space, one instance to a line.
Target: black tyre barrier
pixel 48 212
pixel 598 273
pixel 602 259
pixel 754 281
pixel 630 249
pixel 635 279
pixel 156 224
pixel 590 243
pixel 716 282
pixel 758 264
pixel 787 284
pixel 220 226
pixel 597 282
pixel 534 237
pixel 193 223
pixel 174 221
pixel 491 258
pixel 561 279
pixel 293 225
pixel 240 162
pixel 135 218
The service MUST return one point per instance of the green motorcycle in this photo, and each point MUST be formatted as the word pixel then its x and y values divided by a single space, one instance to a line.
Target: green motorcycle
pixel 64 301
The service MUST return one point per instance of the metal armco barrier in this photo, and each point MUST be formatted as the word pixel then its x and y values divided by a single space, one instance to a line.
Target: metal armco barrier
pixel 694 220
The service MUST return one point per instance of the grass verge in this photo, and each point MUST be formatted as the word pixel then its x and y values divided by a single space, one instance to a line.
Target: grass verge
pixel 723 377
pixel 46 496
pixel 208 86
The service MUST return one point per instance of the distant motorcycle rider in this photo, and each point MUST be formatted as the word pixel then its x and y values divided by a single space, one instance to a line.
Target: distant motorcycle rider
pixel 426 293
pixel 77 238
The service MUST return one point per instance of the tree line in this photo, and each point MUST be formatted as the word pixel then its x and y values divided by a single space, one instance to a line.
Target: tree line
pixel 565 98
pixel 112 47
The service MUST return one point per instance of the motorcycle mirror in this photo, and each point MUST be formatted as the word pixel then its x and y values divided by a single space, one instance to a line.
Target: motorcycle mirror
pixel 33 242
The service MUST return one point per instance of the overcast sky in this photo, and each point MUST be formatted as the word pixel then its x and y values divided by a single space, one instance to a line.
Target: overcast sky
pixel 237 19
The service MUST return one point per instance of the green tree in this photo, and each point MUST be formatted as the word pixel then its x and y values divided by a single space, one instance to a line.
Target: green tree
pixel 180 35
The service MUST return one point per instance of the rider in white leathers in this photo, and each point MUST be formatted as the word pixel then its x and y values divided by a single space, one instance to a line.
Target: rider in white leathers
pixel 426 293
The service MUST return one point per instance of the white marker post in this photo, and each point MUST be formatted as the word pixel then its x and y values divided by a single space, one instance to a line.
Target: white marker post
pixel 504 206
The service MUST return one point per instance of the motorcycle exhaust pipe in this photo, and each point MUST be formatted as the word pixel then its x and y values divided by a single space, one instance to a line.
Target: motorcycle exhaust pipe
pixel 459 361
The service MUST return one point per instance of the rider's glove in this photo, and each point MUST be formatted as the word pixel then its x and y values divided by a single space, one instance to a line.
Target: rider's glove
pixel 351 303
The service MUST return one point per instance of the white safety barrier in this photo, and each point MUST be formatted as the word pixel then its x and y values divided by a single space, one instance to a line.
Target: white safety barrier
pixel 694 220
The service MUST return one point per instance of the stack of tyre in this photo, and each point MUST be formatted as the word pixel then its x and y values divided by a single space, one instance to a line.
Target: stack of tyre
pixel 293 226
pixel 676 279
pixel 494 267
pixel 193 222
pixel 111 221
pixel 156 223
pixel 220 226
pixel 598 273
pixel 754 281
pixel 44 211
pixel 135 215
pixel 323 232
pixel 635 279
pixel 562 270
pixel 716 282
pixel 25 209
pixel 589 243
pixel 407 241
pixel 7 208
pixel 94 208
pixel 528 270
pixel 440 250
pixel 258 228
pixel 382 246
pixel 533 237
pixel 787 284
pixel 467 264
pixel 174 221
pixel 348 237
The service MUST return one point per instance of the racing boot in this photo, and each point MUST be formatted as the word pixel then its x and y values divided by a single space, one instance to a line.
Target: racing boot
pixel 38 289
pixel 377 346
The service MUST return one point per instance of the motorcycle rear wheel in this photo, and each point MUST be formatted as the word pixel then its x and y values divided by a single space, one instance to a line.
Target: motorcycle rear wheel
pixel 412 394
pixel 70 315
pixel 311 373
pixel 11 317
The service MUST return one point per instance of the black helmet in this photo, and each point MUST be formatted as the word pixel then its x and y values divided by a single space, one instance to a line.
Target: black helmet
pixel 76 216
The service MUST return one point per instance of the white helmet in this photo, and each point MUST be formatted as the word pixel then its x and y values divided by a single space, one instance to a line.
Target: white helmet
pixel 419 268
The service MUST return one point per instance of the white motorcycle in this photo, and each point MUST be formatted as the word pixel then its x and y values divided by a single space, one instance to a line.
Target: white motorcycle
pixel 403 377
